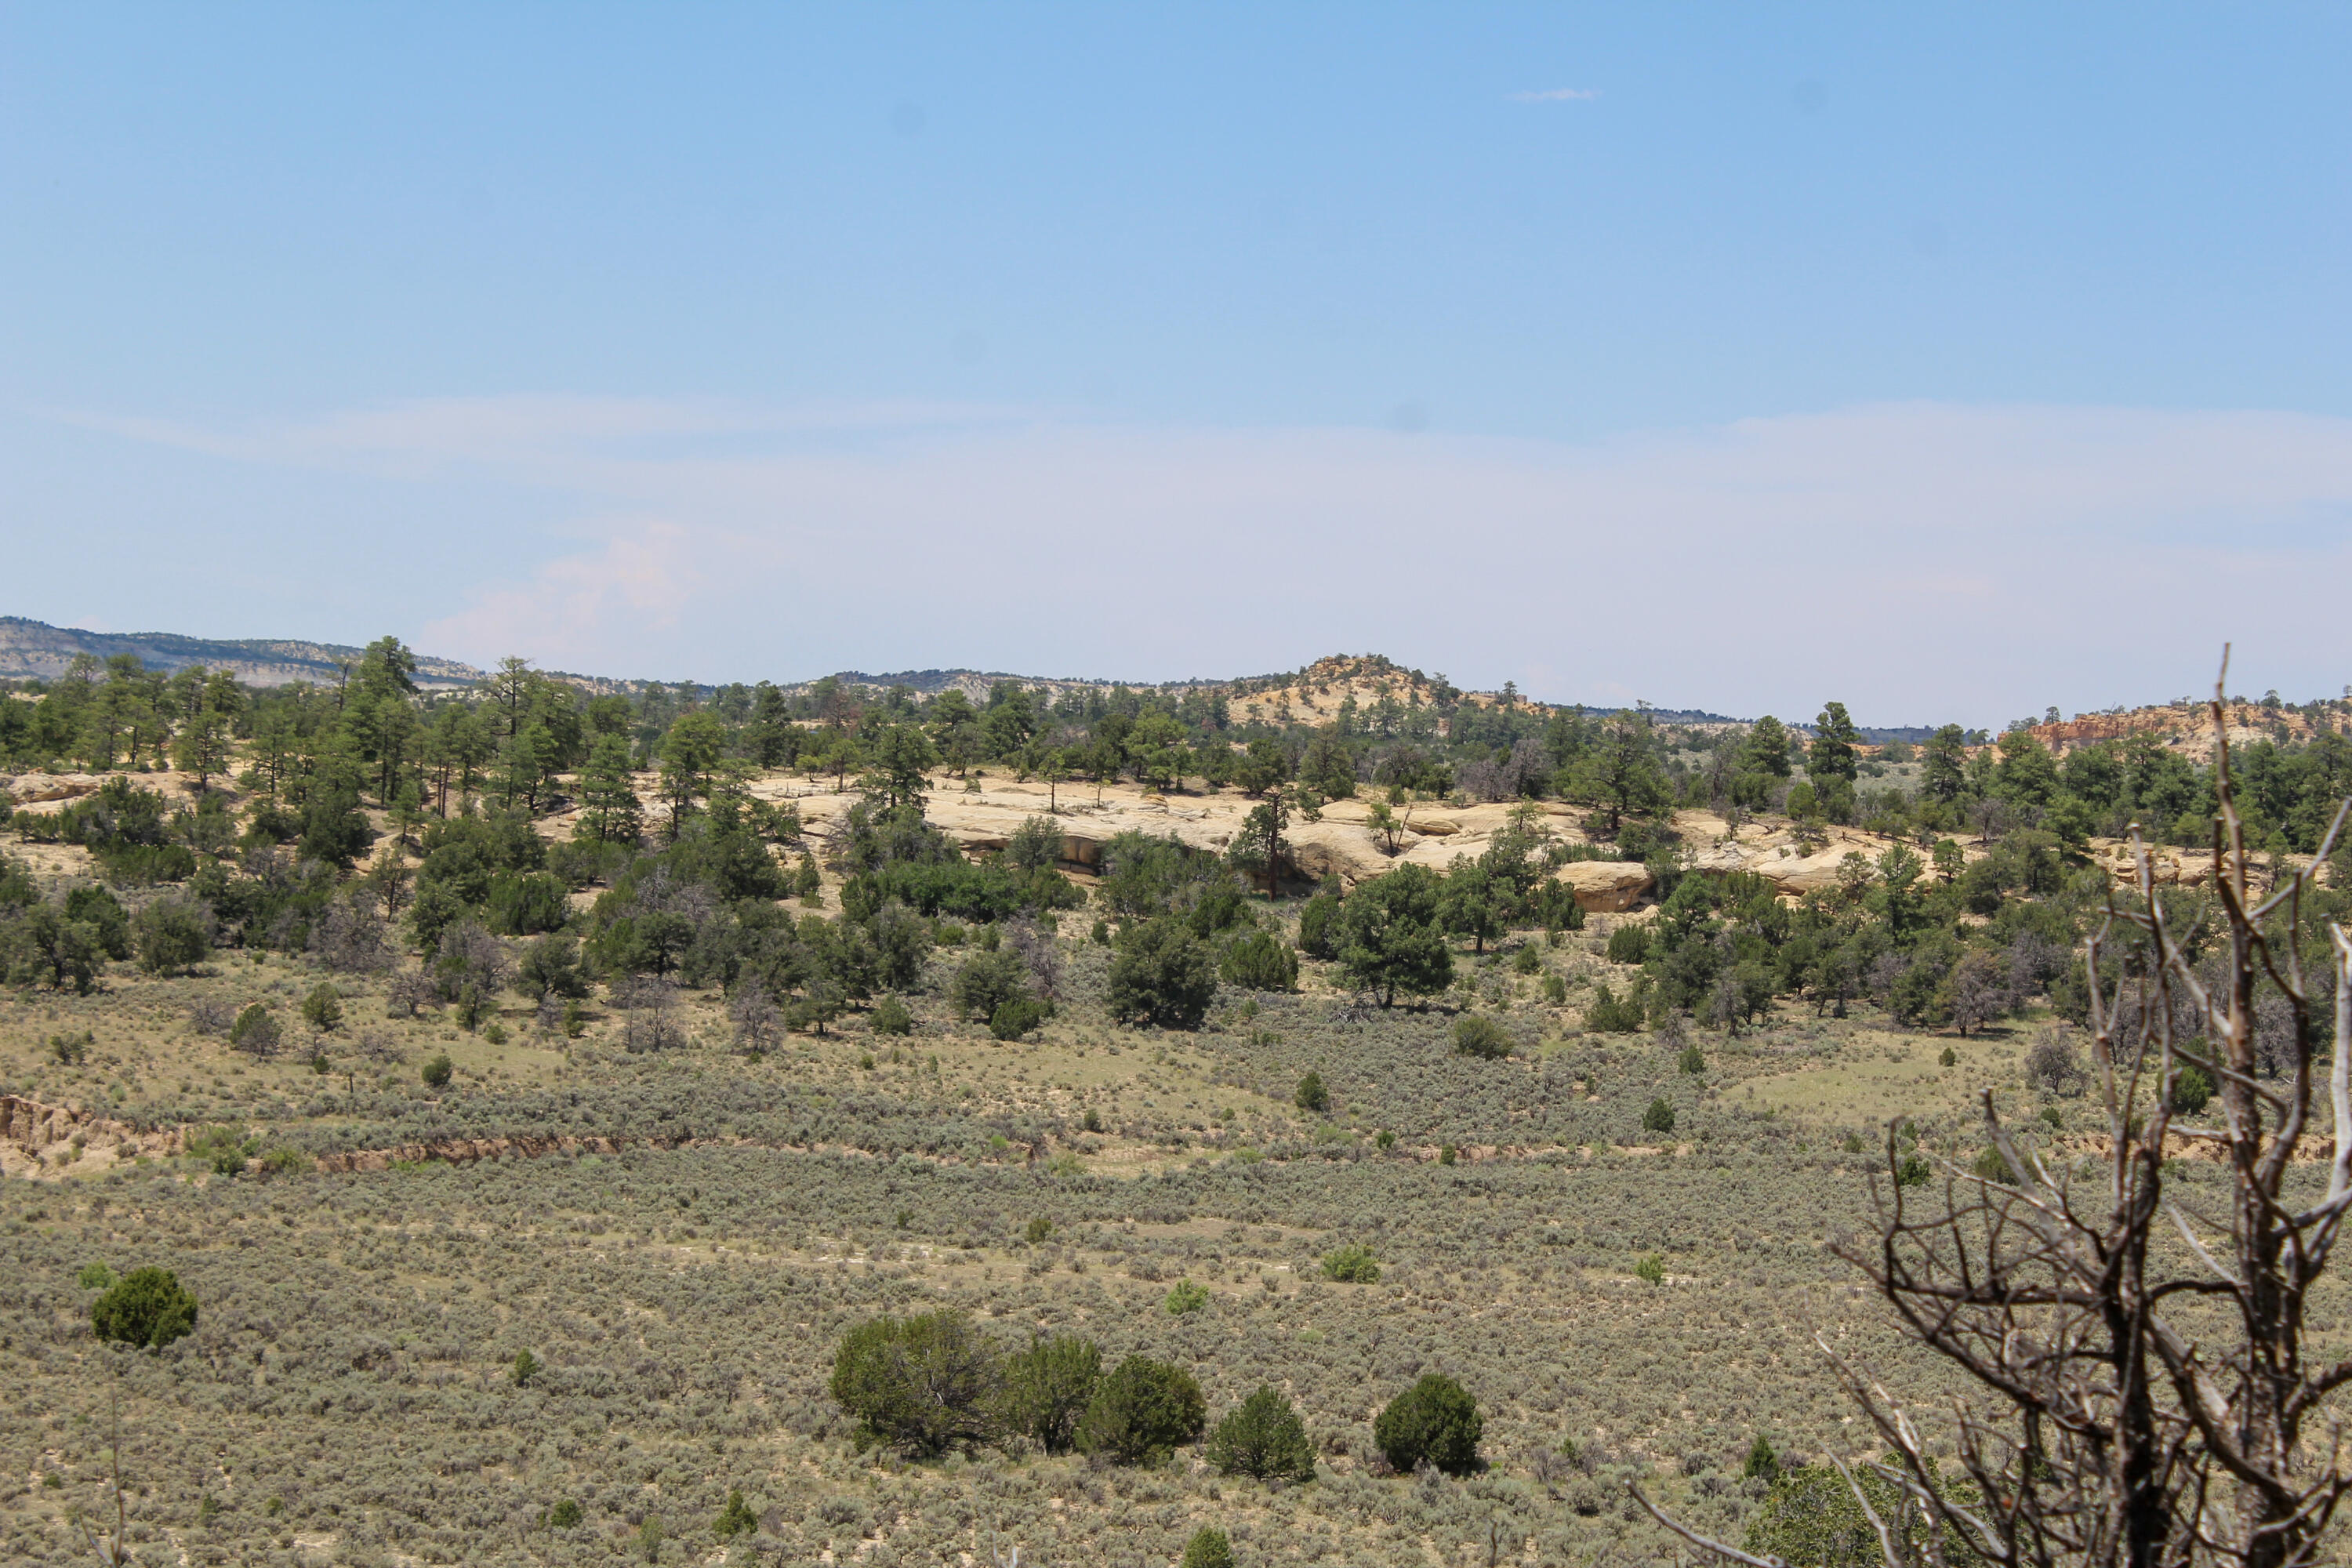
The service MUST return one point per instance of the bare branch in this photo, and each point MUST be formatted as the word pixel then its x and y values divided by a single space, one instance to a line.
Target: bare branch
pixel 1704 1544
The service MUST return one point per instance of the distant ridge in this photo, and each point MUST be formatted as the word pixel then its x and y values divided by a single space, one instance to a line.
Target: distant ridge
pixel 1329 674
pixel 37 648
pixel 31 648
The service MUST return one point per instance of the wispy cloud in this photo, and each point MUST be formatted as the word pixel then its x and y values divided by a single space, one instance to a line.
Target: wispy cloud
pixel 572 611
pixel 1920 560
pixel 1556 95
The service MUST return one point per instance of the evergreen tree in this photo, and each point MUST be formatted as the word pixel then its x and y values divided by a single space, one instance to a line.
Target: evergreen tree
pixel 1142 1412
pixel 1621 772
pixel 148 1308
pixel 1161 973
pixel 2026 776
pixel 920 1385
pixel 1435 1419
pixel 1943 763
pixel 610 811
pixel 1832 754
pixel 1390 940
pixel 1327 768
pixel 1264 1439
pixel 1259 849
pixel 1470 904
pixel 689 753
pixel 770 735
pixel 1048 1389
pixel 899 761
pixel 1262 767
pixel 202 747
pixel 1767 750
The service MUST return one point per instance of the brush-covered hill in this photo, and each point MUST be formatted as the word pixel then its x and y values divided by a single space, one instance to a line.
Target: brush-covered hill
pixel 2186 726
pixel 1315 694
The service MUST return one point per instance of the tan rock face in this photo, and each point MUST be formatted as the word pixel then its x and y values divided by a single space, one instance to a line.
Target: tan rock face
pixel 37 789
pixel 1324 849
pixel 1606 887
pixel 1803 873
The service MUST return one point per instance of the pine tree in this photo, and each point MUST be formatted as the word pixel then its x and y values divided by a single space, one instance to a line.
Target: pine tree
pixel 610 811
pixel 1831 753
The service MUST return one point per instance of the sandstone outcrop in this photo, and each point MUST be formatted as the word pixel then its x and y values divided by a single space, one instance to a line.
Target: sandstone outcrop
pixel 1606 887
pixel 37 1139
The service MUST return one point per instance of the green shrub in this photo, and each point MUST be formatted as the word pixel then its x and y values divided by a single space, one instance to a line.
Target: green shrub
pixel 735 1519
pixel 1608 1016
pixel 921 1385
pixel 1186 1297
pixel 494 1033
pixel 284 1162
pixel 890 1017
pixel 1161 974
pixel 986 981
pixel 1142 1412
pixel 564 1515
pixel 225 1149
pixel 1650 1268
pixel 1527 961
pixel 109 922
pixel 147 1307
pixel 1311 1095
pixel 1763 1464
pixel 173 934
pixel 1481 1037
pixel 1912 1171
pixel 1048 1387
pixel 1447 1153
pixel 1629 944
pixel 94 1277
pixel 1208 1549
pixel 1386 1140
pixel 1017 1018
pixel 2190 1089
pixel 526 1367
pixel 1692 1059
pixel 138 864
pixel 1950 1057
pixel 1555 990
pixel 1436 1420
pixel 1318 926
pixel 1264 1438
pixel 1261 961
pixel 322 1009
pixel 1659 1117
pixel 255 1032
pixel 1991 1167
pixel 1352 1264
pixel 437 1072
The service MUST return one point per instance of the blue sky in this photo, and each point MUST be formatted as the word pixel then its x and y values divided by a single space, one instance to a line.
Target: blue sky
pixel 1721 356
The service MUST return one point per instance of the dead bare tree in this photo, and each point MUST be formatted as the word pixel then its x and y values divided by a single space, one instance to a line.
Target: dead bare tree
pixel 2143 1397
pixel 113 1549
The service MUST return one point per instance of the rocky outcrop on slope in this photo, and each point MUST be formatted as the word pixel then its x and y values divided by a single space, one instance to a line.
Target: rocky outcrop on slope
pixel 39 1140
